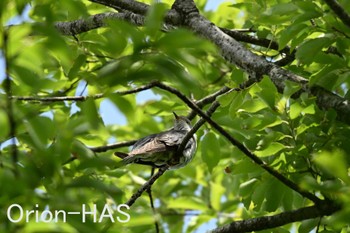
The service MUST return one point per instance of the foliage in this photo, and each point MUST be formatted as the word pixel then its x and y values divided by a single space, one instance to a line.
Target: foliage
pixel 306 144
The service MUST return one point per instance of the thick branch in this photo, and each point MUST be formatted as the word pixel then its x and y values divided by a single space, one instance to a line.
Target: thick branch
pixel 239 145
pixel 266 222
pixel 138 8
pixel 83 25
pixel 339 11
pixel 128 5
pixel 251 63
pixel 289 56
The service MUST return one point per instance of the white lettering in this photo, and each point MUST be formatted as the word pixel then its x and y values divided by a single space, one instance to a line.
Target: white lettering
pixel 103 214
pixel 44 215
pixel 28 213
pixel 9 216
pixel 84 212
pixel 64 215
pixel 123 213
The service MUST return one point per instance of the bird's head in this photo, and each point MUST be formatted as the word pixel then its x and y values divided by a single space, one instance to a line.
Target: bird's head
pixel 182 123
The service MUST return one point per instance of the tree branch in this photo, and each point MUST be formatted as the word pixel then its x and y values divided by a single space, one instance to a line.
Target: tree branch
pixel 128 5
pixel 289 56
pixel 146 185
pixel 81 98
pixel 339 11
pixel 171 16
pixel 95 21
pixel 239 145
pixel 266 222
pixel 255 66
pixel 195 128
pixel 149 191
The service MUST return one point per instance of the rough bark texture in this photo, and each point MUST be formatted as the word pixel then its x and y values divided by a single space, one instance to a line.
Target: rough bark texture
pixel 83 25
pixel 267 222
pixel 338 9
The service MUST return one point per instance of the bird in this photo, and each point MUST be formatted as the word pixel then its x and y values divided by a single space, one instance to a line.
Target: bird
pixel 160 149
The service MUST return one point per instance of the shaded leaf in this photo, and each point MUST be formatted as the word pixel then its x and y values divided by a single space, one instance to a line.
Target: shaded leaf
pixel 210 150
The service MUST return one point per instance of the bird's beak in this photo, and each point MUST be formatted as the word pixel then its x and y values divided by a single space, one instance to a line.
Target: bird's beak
pixel 176 116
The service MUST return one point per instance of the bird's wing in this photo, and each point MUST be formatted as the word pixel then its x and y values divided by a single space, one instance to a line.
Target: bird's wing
pixel 156 143
pixel 172 138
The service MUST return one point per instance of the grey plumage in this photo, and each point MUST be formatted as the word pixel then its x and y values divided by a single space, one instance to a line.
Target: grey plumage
pixel 160 149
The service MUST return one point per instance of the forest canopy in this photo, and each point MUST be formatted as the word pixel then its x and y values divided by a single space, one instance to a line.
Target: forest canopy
pixel 265 84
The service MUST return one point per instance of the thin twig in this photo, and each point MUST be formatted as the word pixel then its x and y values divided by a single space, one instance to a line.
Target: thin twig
pixel 56 98
pixel 239 145
pixel 146 185
pixel 149 191
pixel 195 128
pixel 80 98
pixel 208 99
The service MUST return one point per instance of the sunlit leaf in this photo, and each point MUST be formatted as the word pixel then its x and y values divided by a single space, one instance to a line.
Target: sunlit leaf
pixel 191 203
pixel 333 163
pixel 272 149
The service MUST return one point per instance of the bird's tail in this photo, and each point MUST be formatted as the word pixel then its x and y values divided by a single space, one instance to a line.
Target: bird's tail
pixel 121 155
pixel 125 156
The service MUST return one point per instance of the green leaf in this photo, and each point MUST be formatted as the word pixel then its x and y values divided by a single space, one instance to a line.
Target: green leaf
pixel 245 166
pixel 307 51
pixel 308 225
pixel 252 106
pixel 154 18
pixel 247 187
pixel 268 92
pixel 236 103
pixel 289 33
pixel 237 77
pixel 282 9
pixel 259 194
pixel 87 182
pixel 272 149
pixel 290 88
pixel 278 13
pixel 187 203
pixel 210 150
pixel 41 130
pixel 295 110
pixel 4 125
pixel 333 163
pixel 90 112
pixel 216 192
pixel 25 76
pixel 125 104
pixel 274 194
pixel 138 220
pixel 79 62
